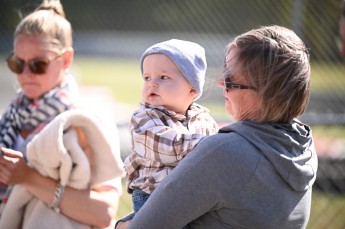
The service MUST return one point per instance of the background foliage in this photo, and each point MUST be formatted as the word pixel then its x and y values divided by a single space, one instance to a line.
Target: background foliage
pixel 314 20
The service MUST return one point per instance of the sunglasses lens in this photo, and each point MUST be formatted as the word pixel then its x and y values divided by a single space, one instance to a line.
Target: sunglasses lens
pixel 15 65
pixel 38 66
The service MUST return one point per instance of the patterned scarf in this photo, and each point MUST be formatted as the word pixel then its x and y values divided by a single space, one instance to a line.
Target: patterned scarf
pixel 32 115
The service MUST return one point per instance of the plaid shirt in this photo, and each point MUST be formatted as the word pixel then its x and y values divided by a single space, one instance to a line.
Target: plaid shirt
pixel 160 139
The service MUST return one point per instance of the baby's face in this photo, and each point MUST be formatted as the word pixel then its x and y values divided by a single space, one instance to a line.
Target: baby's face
pixel 164 84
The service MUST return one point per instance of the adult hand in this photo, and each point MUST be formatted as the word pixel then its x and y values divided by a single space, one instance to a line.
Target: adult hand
pixel 122 225
pixel 13 167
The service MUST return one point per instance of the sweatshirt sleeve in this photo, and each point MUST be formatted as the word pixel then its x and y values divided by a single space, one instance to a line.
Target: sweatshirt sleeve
pixel 158 137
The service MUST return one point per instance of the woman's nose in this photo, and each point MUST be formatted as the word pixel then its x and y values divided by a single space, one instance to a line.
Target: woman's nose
pixel 220 83
pixel 27 71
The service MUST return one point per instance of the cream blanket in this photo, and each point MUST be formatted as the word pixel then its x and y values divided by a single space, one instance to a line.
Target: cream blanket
pixel 55 152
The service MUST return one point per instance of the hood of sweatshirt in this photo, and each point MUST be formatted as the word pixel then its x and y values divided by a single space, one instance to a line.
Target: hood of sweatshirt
pixel 289 148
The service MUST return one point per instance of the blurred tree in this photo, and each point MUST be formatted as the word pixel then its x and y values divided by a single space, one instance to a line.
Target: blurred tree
pixel 313 20
pixel 321 25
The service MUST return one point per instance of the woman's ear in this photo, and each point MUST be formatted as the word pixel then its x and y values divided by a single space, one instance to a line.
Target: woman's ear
pixel 68 57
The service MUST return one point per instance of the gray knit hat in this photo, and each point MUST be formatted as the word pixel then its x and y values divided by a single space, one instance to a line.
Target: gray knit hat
pixel 188 56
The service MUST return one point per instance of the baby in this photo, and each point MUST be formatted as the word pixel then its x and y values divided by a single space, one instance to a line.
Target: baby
pixel 168 124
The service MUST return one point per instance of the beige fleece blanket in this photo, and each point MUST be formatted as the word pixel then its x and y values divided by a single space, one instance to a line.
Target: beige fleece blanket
pixel 55 152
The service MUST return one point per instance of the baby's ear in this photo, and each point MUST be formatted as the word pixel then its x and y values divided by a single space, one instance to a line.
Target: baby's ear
pixel 194 92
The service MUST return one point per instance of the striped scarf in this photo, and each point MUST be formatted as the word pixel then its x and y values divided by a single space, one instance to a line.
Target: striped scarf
pixel 27 114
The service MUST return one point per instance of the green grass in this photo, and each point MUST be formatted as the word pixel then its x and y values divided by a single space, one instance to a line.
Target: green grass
pixel 327 77
pixel 328 211
pixel 125 204
pixel 122 77
pixel 333 132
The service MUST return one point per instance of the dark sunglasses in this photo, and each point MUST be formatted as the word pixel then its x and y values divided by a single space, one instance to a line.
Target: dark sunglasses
pixel 228 85
pixel 36 66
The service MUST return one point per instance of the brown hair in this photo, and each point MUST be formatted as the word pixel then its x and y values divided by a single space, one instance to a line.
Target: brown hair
pixel 274 60
pixel 48 20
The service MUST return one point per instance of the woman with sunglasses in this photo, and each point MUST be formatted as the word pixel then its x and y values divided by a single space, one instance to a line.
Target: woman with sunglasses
pixel 41 59
pixel 257 172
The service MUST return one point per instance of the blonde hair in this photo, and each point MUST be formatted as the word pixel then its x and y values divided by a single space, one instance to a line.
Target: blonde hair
pixel 48 21
pixel 275 61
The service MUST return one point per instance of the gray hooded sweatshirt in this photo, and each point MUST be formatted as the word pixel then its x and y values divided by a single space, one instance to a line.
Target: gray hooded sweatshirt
pixel 248 175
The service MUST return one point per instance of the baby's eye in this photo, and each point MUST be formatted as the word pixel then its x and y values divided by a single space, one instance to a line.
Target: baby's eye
pixel 164 77
pixel 147 78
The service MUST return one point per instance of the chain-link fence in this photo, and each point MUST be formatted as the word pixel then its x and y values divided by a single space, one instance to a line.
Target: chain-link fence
pixel 125 28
